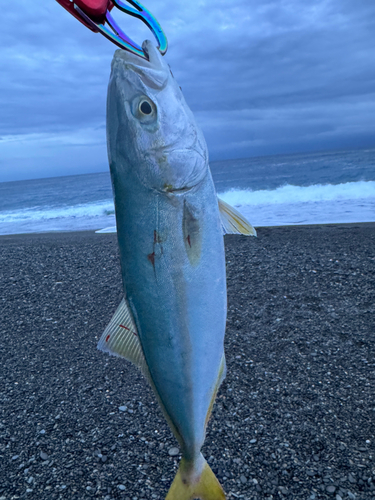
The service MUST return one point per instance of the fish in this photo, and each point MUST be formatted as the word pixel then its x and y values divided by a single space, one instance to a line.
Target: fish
pixel 170 223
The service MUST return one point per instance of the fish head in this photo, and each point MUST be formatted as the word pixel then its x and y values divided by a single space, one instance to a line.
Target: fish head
pixel 150 128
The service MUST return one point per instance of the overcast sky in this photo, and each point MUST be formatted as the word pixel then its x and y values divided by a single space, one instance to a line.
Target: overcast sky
pixel 261 76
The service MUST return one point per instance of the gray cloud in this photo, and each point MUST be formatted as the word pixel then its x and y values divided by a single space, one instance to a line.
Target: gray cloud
pixel 261 77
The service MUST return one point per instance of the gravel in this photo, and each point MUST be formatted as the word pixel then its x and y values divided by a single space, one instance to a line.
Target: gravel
pixel 293 419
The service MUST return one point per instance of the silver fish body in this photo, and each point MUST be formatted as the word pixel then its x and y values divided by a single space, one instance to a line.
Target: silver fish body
pixel 172 254
pixel 178 303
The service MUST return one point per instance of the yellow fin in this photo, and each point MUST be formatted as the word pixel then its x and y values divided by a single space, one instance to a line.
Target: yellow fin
pixel 206 488
pixel 221 377
pixel 120 338
pixel 233 222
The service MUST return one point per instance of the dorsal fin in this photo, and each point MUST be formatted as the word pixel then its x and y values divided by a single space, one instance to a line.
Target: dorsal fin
pixel 120 338
pixel 233 222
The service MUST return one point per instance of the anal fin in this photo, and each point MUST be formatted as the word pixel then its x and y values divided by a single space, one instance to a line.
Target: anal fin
pixel 220 378
pixel 233 222
pixel 120 338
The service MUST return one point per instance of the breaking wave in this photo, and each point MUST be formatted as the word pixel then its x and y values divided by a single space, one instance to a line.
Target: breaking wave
pixel 87 210
pixel 285 205
pixel 317 204
pixel 301 194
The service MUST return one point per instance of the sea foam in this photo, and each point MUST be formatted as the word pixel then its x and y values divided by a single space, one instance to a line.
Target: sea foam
pixel 82 210
pixel 284 205
pixel 316 204
pixel 300 194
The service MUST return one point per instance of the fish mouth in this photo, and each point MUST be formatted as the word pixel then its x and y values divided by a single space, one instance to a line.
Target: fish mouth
pixel 154 73
pixel 154 57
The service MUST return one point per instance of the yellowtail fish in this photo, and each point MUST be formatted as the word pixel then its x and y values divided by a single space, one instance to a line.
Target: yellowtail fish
pixel 171 322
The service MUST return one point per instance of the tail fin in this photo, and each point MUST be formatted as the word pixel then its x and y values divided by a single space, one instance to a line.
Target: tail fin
pixel 206 488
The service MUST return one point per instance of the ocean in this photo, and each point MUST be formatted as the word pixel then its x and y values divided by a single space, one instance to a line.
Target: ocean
pixel 310 188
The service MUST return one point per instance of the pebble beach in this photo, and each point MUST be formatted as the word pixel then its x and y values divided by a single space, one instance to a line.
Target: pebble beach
pixel 294 419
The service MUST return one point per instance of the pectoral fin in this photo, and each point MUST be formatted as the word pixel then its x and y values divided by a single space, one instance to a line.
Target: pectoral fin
pixel 192 232
pixel 233 222
pixel 120 338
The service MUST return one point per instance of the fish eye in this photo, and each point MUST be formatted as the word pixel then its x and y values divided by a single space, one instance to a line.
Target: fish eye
pixel 145 107
pixel 144 110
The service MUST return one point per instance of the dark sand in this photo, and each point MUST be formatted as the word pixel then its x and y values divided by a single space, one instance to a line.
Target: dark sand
pixel 294 418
